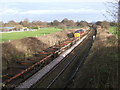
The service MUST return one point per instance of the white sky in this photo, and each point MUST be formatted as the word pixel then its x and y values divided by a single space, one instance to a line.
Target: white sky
pixel 48 10
pixel 11 11
pixel 57 0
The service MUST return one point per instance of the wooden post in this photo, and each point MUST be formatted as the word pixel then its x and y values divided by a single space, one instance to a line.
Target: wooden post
pixel 118 20
pixel 119 15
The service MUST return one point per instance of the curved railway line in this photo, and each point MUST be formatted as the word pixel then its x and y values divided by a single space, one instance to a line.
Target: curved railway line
pixel 55 67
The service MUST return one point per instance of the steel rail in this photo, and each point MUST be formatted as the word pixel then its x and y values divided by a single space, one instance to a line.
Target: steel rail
pixel 78 67
pixel 22 72
pixel 28 83
pixel 37 63
pixel 80 64
pixel 32 66
pixel 68 64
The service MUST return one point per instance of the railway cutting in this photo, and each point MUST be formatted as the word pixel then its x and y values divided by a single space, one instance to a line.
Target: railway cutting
pixel 54 67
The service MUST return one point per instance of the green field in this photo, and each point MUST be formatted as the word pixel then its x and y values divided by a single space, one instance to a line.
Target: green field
pixel 19 35
pixel 114 30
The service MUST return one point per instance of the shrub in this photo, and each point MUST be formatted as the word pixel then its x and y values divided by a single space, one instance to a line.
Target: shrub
pixel 62 26
pixel 34 27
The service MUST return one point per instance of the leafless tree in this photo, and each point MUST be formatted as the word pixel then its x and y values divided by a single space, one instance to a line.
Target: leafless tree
pixel 25 23
pixel 56 23
pixel 119 16
pixel 112 10
pixel 68 23
pixel 83 24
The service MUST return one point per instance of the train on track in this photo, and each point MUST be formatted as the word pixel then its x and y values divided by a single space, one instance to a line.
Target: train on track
pixel 23 70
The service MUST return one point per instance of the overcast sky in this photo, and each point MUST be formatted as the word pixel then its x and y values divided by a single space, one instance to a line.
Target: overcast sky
pixel 49 10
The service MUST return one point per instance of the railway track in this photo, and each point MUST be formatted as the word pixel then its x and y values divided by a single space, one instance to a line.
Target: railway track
pixel 61 72
pixel 23 69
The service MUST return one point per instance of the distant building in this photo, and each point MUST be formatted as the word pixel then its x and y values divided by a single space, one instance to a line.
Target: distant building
pixel 24 29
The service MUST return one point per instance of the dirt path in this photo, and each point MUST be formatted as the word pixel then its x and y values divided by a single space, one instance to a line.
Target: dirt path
pixel 100 70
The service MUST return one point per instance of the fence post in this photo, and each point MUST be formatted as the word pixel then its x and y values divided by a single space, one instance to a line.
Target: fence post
pixel 118 20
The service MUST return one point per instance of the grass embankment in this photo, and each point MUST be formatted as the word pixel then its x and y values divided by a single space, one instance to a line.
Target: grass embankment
pixel 75 27
pixel 19 35
pixel 114 30
pixel 100 70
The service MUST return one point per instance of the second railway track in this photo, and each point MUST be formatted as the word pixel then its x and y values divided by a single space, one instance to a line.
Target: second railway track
pixel 64 72
pixel 60 73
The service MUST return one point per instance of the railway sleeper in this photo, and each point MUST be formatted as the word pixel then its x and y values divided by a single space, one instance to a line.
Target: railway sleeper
pixel 18 66
pixel 40 54
pixel 26 61
pixel 7 76
pixel 39 65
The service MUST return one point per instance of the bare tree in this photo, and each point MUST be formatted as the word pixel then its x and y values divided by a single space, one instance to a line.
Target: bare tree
pixel 119 15
pixel 83 24
pixel 65 21
pixel 1 23
pixel 11 23
pixel 68 22
pixel 25 23
pixel 113 9
pixel 56 22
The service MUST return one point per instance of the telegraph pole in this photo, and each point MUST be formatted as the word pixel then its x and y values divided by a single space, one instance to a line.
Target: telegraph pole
pixel 118 33
pixel 119 14
pixel 118 21
pixel 118 41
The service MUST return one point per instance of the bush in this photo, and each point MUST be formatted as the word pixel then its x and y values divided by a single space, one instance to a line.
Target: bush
pixel 62 26
pixel 105 25
pixel 34 27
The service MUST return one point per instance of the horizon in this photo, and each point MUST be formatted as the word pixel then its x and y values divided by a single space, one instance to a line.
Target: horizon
pixel 58 20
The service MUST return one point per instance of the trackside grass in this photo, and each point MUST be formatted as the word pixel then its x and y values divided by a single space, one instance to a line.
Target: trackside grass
pixel 114 30
pixel 19 35
pixel 101 67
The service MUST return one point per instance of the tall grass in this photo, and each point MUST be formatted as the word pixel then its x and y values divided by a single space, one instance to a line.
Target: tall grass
pixel 19 35
pixel 114 30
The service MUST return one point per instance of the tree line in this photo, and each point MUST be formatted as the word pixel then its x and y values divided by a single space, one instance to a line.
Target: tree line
pixel 55 23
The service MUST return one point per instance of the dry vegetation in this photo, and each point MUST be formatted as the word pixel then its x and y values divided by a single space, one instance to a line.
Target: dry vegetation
pixel 26 47
pixel 100 70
